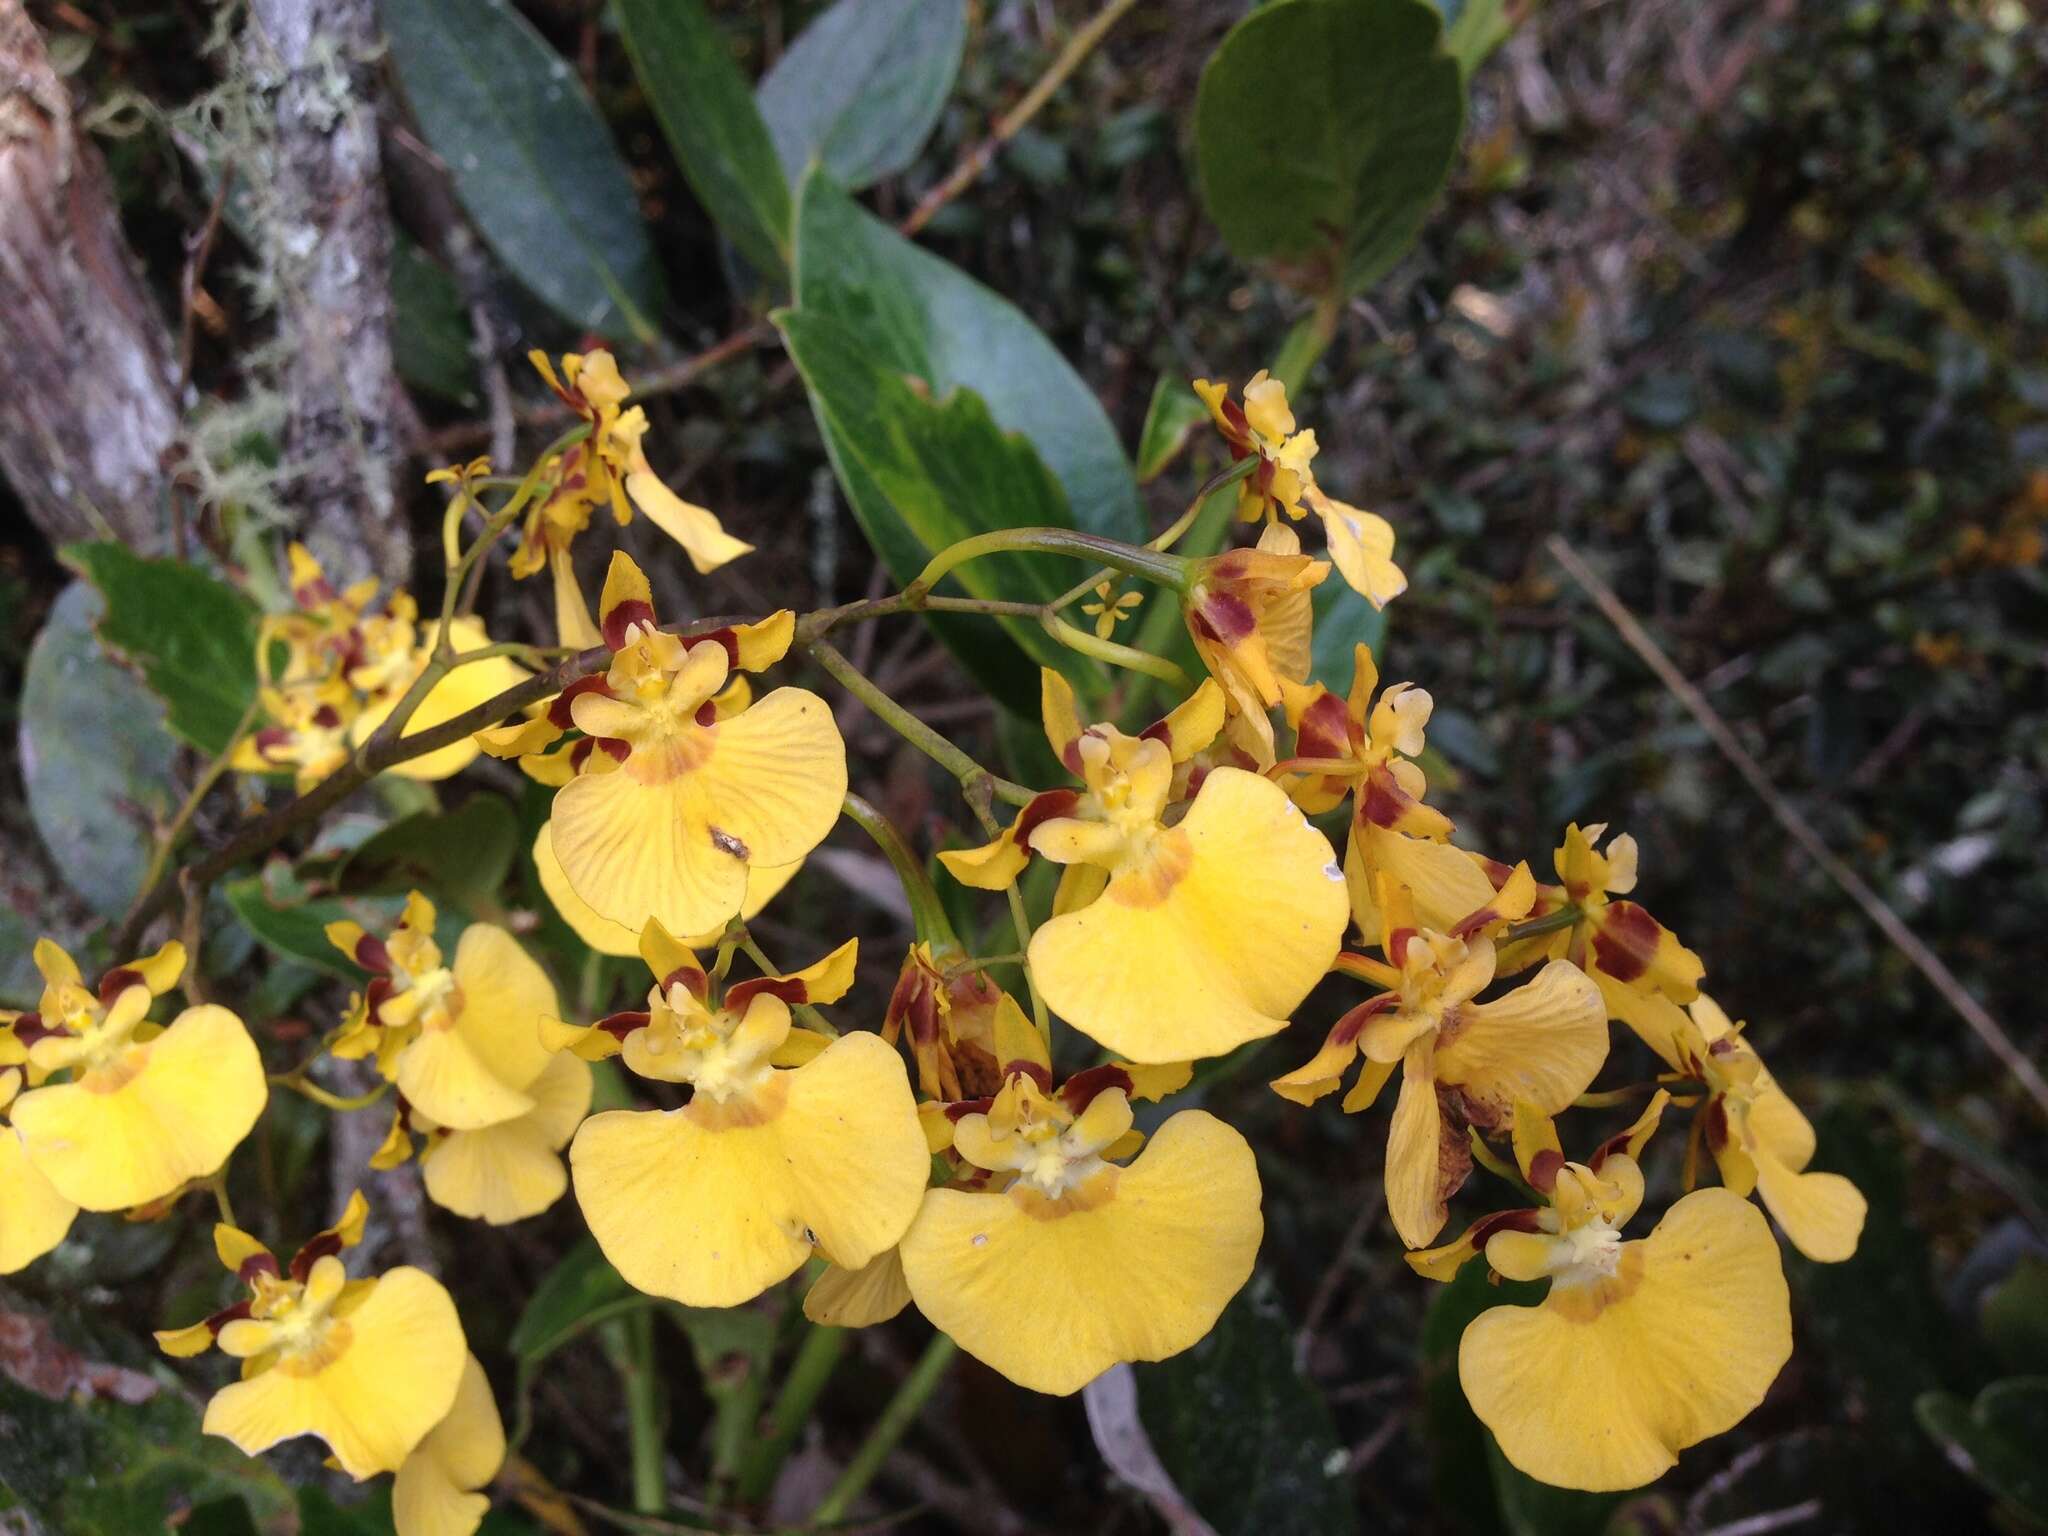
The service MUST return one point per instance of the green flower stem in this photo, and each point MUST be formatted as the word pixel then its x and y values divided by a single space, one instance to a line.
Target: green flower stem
pixel 1167 570
pixel 299 1084
pixel 1174 531
pixel 806 1013
pixel 1614 1098
pixel 1564 917
pixel 1116 655
pixel 921 736
pixel 816 1359
pixel 202 786
pixel 629 1341
pixel 927 912
pixel 889 1429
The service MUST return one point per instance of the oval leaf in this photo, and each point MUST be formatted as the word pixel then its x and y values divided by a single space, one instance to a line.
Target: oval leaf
pixel 1339 181
pixel 862 86
pixel 531 159
pixel 709 117
pixel 94 755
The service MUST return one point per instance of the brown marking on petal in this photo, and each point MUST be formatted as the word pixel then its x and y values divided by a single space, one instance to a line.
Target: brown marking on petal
pixel 238 1312
pixel 375 996
pixel 1496 872
pixel 707 713
pixel 117 981
pixel 1352 1025
pixel 1198 775
pixel 322 1246
pixel 1227 617
pixel 1544 1168
pixel 1083 1088
pixel 1397 944
pixel 271 740
pixel 1453 1152
pixel 613 748
pixel 1382 801
pixel 254 1265
pixel 620 1025
pixel 618 620
pixel 959 1111
pixel 692 978
pixel 1039 1074
pixel 29 1028
pixel 1160 731
pixel 1092 1193
pixel 1714 1123
pixel 1625 941
pixel 1239 432
pixel 1583 1303
pixel 1504 1221
pixel 791 989
pixel 1325 729
pixel 976 1069
pixel 725 842
pixel 1043 808
pixel 372 955
pixel 765 1102
pixel 559 715
pixel 728 639
pixel 327 717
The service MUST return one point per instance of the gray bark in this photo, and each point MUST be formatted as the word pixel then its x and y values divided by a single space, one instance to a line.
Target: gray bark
pixel 88 413
pixel 332 261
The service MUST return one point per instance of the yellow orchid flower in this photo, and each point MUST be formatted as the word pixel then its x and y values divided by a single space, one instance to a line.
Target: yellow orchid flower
pixel 1361 543
pixel 609 468
pixel 1109 609
pixel 790 1141
pixel 1249 612
pixel 1065 1261
pixel 306 732
pixel 1617 941
pixel 506 1171
pixel 34 1217
pixel 610 938
pixel 467 686
pixel 1173 941
pixel 1756 1135
pixel 462 1040
pixel 435 1493
pixel 944 1007
pixel 369 1366
pixel 1463 1062
pixel 695 802
pixel 142 1108
pixel 1641 1348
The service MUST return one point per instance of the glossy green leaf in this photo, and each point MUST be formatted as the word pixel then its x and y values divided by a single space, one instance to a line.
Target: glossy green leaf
pixel 192 637
pixel 465 853
pixel 923 465
pixel 293 924
pixel 1998 1439
pixel 1324 130
pixel 708 114
pixel 581 1288
pixel 1171 416
pixel 922 316
pixel 95 757
pixel 1344 621
pixel 1243 1434
pixel 430 334
pixel 530 159
pixel 109 1449
pixel 861 87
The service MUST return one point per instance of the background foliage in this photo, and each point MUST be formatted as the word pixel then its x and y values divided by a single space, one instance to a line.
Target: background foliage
pixel 1747 301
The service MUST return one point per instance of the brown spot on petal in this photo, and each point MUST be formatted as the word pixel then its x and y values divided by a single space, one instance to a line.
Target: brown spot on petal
pixel 693 980
pixel 372 955
pixel 559 715
pixel 237 1312
pixel 1043 808
pixel 1504 1221
pixel 618 620
pixel 117 981
pixel 791 989
pixel 254 1265
pixel 956 1112
pixel 1544 1168
pixel 1325 730
pixel 1083 1088
pixel 1226 616
pixel 320 1247
pixel 1626 940
pixel 620 1025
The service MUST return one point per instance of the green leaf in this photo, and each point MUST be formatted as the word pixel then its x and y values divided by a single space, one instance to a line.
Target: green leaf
pixel 430 335
pixel 581 1287
pixel 918 315
pixel 2014 1317
pixel 95 758
pixel 1344 620
pixel 1174 411
pixel 1996 1440
pixel 708 115
pixel 531 160
pixel 465 853
pixel 1243 1434
pixel 1473 29
pixel 192 637
pixel 286 920
pixel 1324 130
pixel 861 87
pixel 116 1451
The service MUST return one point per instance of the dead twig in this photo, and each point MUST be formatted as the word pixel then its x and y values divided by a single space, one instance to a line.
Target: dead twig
pixel 1888 922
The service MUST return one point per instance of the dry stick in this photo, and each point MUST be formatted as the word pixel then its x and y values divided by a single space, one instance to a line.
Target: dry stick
pixel 453 440
pixel 1888 922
